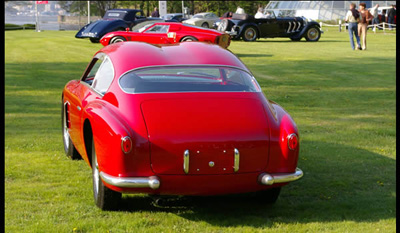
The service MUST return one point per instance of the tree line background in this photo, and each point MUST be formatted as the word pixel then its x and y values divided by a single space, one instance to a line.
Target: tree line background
pixel 98 8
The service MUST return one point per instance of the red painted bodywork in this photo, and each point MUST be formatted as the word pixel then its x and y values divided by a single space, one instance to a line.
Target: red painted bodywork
pixel 162 125
pixel 181 31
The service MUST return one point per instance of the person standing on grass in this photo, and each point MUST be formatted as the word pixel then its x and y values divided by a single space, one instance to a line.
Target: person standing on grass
pixel 155 13
pixel 352 17
pixel 366 17
pixel 390 16
pixel 374 13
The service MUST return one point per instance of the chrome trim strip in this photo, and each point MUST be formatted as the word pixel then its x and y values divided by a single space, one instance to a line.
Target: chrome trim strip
pixel 186 161
pixel 290 24
pixel 298 26
pixel 270 179
pixel 131 182
pixel 236 160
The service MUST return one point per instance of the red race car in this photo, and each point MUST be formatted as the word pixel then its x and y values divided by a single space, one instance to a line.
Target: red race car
pixel 182 119
pixel 167 33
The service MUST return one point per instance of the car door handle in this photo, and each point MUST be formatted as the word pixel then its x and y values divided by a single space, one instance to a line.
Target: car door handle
pixel 78 107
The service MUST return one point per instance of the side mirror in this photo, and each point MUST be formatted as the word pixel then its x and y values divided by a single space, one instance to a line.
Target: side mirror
pixel 127 29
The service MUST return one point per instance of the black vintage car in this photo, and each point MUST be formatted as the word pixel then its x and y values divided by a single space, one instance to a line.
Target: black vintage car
pixel 249 28
pixel 113 20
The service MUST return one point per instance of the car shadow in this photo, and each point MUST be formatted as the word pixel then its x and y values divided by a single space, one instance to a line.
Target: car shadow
pixel 252 55
pixel 335 187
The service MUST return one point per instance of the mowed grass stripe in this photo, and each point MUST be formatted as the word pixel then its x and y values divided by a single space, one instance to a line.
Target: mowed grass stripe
pixel 343 102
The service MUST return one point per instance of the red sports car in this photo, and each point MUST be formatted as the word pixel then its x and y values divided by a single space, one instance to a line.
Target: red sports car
pixel 167 33
pixel 182 119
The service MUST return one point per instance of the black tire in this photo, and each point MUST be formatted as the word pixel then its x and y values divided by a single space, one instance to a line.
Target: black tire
pixel 69 147
pixel 205 25
pixel 105 198
pixel 94 40
pixel 313 34
pixel 295 39
pixel 117 39
pixel 268 196
pixel 250 34
pixel 224 25
pixel 189 38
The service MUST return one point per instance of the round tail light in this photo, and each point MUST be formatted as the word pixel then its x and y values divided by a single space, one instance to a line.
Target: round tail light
pixel 293 141
pixel 126 144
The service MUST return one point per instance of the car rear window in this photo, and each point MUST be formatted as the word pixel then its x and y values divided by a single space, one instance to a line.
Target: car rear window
pixel 188 79
pixel 114 15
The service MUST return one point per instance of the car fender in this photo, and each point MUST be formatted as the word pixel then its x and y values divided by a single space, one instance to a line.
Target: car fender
pixel 304 30
pixel 108 128
pixel 282 159
pixel 99 28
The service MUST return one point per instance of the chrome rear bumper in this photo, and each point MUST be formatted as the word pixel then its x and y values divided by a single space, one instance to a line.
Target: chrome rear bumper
pixel 131 182
pixel 270 179
pixel 153 182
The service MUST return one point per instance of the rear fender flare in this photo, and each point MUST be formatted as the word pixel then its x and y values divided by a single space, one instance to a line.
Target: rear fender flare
pixel 107 128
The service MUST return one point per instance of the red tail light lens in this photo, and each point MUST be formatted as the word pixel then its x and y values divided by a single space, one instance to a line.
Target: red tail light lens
pixel 126 144
pixel 293 141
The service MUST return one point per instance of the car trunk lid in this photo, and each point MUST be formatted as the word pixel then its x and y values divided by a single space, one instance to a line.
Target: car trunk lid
pixel 216 136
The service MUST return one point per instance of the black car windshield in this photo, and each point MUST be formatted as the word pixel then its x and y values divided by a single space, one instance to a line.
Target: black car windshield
pixel 114 15
pixel 174 79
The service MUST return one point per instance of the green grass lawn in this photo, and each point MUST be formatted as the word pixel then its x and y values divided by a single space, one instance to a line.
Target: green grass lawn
pixel 343 102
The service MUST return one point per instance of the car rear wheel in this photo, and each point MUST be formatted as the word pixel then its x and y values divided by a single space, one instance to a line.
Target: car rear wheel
pixel 250 34
pixel 105 198
pixel 189 38
pixel 313 34
pixel 117 39
pixel 69 147
pixel 205 25
pixel 269 196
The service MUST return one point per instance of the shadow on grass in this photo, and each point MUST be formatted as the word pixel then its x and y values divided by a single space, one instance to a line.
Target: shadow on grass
pixel 252 55
pixel 341 183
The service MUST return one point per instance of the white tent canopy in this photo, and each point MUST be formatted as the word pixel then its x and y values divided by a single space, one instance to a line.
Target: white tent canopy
pixel 322 10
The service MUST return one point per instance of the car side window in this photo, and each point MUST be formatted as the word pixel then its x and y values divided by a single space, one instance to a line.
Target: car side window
pixel 104 76
pixel 92 70
pixel 158 29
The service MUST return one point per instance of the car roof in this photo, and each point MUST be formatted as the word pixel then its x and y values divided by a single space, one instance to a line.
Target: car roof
pixel 126 10
pixel 203 13
pixel 131 55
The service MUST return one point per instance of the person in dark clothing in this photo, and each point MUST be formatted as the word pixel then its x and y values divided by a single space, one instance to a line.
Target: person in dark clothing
pixel 383 16
pixel 227 14
pixel 390 16
pixel 155 13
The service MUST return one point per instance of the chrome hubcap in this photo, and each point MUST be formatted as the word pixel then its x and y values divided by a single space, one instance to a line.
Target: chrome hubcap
pixel 312 34
pixel 250 34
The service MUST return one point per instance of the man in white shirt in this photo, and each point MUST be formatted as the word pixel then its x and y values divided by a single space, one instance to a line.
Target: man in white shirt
pixel 374 13
pixel 239 10
pixel 259 14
